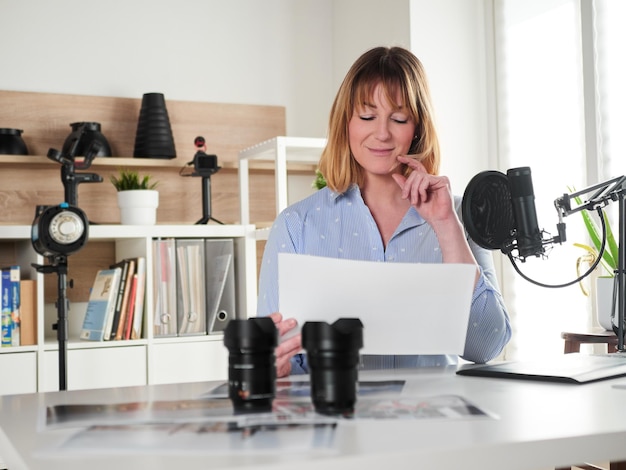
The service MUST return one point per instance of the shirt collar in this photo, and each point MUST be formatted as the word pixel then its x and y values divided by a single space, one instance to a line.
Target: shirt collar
pixel 411 219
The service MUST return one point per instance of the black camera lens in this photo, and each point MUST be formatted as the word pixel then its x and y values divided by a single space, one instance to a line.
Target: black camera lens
pixel 333 357
pixel 251 363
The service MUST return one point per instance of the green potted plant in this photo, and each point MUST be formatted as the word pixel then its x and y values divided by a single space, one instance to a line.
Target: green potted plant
pixel 137 197
pixel 610 255
pixel 319 182
pixel 604 284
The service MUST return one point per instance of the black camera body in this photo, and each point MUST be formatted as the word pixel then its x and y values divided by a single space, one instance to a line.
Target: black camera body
pixel 204 164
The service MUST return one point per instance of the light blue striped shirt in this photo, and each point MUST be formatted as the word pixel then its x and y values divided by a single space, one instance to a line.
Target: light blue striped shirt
pixel 341 226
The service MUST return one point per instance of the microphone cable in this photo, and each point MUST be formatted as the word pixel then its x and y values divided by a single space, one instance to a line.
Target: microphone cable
pixel 582 276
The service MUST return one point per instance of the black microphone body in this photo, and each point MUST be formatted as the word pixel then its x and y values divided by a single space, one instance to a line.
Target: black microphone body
pixel 529 241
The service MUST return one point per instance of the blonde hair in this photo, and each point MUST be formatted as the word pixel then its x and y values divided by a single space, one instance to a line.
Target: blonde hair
pixel 397 69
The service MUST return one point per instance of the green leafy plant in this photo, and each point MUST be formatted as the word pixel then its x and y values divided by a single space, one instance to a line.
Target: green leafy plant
pixel 319 182
pixel 129 179
pixel 610 255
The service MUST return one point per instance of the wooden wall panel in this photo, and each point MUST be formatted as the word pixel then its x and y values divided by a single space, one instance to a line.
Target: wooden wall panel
pixel 26 182
pixel 23 187
pixel 45 119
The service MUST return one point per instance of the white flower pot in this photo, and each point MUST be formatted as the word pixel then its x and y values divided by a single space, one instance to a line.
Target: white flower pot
pixel 138 206
pixel 604 298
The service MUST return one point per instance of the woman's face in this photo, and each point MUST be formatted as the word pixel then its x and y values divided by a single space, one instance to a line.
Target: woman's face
pixel 380 131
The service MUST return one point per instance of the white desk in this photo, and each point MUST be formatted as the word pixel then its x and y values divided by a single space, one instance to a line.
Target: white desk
pixel 538 425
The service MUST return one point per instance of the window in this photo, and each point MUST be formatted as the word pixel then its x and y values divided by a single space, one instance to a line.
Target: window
pixel 544 120
pixel 611 83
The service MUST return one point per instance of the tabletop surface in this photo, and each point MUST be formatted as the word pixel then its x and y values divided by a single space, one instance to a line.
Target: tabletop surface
pixel 528 425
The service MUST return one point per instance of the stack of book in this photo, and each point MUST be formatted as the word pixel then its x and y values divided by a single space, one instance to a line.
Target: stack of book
pixel 18 311
pixel 116 302
pixel 194 286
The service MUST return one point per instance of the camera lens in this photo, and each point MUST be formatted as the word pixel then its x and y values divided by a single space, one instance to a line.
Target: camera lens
pixel 333 357
pixel 251 363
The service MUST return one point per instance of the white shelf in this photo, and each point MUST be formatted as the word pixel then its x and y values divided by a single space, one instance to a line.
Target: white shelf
pixel 279 150
pixel 132 362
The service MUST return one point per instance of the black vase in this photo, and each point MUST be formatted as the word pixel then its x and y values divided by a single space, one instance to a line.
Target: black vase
pixel 154 138
pixel 11 142
pixel 82 137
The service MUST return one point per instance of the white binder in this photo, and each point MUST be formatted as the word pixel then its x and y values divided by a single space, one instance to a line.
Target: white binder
pixel 165 319
pixel 190 280
pixel 220 283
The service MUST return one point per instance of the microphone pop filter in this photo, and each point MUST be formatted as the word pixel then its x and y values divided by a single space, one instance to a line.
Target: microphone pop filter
pixel 487 210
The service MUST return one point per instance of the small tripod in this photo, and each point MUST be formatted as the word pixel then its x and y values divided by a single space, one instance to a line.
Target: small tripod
pixel 206 201
pixel 204 165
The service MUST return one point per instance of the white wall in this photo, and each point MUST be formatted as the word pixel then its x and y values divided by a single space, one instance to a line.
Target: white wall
pixel 453 40
pixel 292 53
pixel 274 52
pixel 359 25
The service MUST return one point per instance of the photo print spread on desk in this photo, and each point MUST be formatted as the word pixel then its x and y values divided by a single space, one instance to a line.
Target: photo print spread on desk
pixel 302 388
pixel 229 437
pixel 195 426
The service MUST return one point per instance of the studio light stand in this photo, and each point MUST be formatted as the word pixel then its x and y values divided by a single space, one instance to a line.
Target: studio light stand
pixel 57 232
pixel 204 166
pixel 61 230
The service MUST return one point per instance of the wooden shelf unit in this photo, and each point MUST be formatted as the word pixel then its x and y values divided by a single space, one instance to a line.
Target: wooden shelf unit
pixel 279 152
pixel 32 180
pixel 147 360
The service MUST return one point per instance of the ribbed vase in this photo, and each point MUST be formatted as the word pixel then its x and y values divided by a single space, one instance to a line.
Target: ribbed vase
pixel 154 138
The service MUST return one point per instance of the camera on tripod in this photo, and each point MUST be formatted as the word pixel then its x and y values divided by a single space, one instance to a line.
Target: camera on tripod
pixel 204 165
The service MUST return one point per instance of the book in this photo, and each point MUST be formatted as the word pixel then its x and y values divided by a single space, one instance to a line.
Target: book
pixel 14 275
pixel 28 312
pixel 11 305
pixel 220 283
pixel 101 304
pixel 118 333
pixel 130 311
pixel 164 287
pixel 112 324
pixel 6 306
pixel 139 299
pixel 190 279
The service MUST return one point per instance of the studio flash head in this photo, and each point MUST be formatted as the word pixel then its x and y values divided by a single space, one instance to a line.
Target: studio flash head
pixel 59 230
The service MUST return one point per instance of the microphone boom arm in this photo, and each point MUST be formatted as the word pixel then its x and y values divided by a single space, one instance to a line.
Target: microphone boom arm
pixel 605 193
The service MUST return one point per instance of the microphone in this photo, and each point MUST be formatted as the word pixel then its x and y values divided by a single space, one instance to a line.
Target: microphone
pixel 499 212
pixel 529 242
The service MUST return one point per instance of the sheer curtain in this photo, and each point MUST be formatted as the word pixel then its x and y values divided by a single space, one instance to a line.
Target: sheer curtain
pixel 610 18
pixel 541 124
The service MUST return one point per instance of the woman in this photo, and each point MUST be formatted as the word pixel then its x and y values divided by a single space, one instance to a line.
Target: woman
pixel 384 201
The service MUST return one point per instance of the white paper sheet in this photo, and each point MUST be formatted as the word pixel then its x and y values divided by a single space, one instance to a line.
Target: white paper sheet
pixel 406 308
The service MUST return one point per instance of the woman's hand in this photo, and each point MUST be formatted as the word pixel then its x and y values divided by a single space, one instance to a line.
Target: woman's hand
pixel 432 198
pixel 429 194
pixel 288 348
